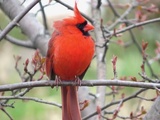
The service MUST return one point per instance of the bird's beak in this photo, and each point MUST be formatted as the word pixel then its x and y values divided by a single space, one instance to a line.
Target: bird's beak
pixel 88 27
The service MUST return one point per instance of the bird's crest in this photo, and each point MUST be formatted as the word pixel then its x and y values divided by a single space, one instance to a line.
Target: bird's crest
pixel 77 14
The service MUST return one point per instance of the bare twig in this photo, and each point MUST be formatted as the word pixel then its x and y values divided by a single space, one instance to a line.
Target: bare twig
pixel 7 113
pixel 90 83
pixel 114 61
pixel 113 9
pixel 7 105
pixel 23 92
pixel 44 6
pixel 140 50
pixel 133 26
pixel 43 15
pixel 146 99
pixel 29 98
pixel 132 6
pixel 17 59
pixel 116 102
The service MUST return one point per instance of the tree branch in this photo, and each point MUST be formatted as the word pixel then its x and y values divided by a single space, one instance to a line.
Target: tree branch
pixel 11 25
pixel 7 113
pixel 18 42
pixel 132 26
pixel 29 25
pixel 90 83
pixel 100 52
pixel 29 98
pixel 43 15
pixel 117 102
pixel 123 15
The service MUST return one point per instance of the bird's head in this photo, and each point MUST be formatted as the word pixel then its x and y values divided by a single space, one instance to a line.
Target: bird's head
pixel 77 21
pixel 81 24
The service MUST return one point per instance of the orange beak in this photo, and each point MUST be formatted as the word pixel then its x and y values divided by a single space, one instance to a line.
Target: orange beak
pixel 88 27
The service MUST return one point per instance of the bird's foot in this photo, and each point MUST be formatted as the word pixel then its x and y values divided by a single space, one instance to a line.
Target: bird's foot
pixel 57 81
pixel 78 80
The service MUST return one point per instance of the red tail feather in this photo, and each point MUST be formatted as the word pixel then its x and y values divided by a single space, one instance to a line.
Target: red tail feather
pixel 70 104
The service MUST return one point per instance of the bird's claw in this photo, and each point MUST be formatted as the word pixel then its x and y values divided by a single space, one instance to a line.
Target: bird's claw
pixel 57 81
pixel 78 81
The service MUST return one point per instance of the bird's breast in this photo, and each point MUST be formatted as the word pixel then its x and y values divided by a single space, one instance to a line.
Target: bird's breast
pixel 72 55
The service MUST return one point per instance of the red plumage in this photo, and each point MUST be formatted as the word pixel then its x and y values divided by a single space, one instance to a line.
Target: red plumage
pixel 70 51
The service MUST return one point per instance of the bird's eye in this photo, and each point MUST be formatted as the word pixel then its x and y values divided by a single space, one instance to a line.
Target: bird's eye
pixel 81 26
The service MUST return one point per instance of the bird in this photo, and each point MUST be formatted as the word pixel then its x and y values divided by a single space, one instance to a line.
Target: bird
pixel 70 52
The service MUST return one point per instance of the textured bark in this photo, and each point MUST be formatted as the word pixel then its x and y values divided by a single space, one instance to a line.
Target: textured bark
pixel 154 112
pixel 100 51
pixel 83 93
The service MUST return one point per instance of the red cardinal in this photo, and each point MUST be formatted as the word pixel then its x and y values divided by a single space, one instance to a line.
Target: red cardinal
pixel 70 51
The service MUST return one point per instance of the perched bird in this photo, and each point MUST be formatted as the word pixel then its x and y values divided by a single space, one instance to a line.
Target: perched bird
pixel 70 51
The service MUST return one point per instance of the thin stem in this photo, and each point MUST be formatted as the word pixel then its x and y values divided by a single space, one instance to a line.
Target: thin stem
pixel 116 102
pixel 43 15
pixel 29 98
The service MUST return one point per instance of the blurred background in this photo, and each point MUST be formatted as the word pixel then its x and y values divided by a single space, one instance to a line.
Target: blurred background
pixel 128 64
